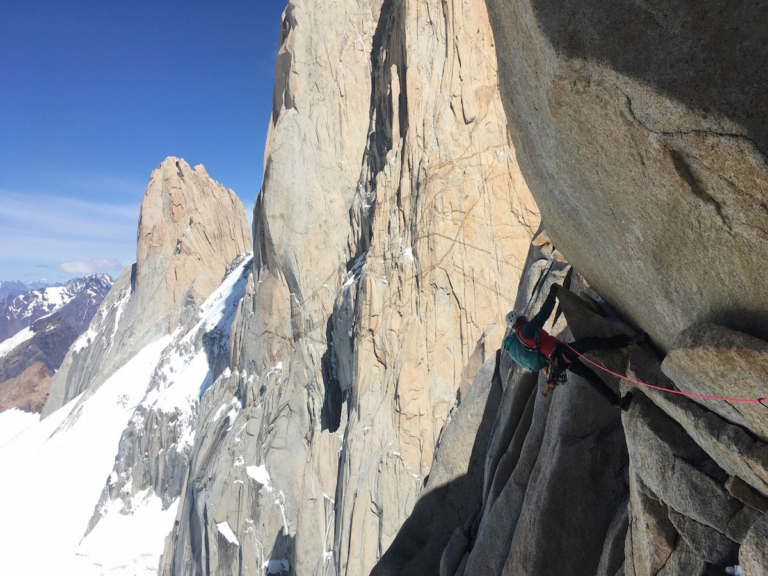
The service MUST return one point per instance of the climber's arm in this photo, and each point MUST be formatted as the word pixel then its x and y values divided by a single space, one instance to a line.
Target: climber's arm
pixel 529 330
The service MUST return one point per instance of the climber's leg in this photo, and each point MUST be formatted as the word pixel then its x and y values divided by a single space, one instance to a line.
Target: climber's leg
pixel 584 345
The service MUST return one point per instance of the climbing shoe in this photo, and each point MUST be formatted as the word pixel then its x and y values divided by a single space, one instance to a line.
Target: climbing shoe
pixel 625 402
pixel 638 338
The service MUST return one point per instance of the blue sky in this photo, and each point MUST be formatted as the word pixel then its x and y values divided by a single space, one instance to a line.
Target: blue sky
pixel 96 94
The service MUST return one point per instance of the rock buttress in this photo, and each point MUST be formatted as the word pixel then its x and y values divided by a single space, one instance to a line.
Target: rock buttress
pixel 389 237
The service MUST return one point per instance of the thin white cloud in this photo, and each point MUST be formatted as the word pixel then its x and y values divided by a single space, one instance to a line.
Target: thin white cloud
pixel 16 246
pixel 36 227
pixel 51 216
pixel 89 267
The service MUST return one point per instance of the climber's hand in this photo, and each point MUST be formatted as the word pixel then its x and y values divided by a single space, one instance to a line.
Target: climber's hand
pixel 554 288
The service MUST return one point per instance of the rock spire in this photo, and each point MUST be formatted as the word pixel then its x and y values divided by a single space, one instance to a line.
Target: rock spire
pixel 190 228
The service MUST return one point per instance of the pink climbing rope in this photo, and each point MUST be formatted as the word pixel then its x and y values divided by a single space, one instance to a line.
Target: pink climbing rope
pixel 762 401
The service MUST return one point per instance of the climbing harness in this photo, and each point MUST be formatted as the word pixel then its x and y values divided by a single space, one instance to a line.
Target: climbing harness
pixel 762 401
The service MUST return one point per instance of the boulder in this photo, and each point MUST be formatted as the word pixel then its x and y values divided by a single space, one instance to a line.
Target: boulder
pixel 683 560
pixel 741 490
pixel 672 466
pixel 652 537
pixel 733 447
pixel 715 547
pixel 641 134
pixel 716 361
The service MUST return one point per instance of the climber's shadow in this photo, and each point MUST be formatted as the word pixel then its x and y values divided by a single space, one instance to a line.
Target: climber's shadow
pixel 419 544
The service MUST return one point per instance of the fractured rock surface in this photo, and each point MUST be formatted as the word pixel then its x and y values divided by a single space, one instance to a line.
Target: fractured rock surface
pixel 389 237
pixel 570 487
pixel 355 415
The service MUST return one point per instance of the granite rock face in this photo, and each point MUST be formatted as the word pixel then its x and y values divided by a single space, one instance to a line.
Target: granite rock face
pixel 641 135
pixel 715 361
pixel 154 449
pixel 355 415
pixel 169 315
pixel 570 487
pixel 389 237
pixel 190 229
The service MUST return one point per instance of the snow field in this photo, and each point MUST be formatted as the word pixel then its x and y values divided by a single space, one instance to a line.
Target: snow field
pixel 125 545
pixel 13 422
pixel 20 337
pixel 55 470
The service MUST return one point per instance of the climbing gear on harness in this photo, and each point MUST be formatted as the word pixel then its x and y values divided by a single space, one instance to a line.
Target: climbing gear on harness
pixel 557 366
pixel 554 380
pixel 761 401
pixel 524 354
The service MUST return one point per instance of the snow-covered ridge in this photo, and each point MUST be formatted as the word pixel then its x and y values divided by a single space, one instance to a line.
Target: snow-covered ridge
pixel 53 298
pixel 63 461
pixel 71 453
pixel 184 374
pixel 20 311
pixel 20 337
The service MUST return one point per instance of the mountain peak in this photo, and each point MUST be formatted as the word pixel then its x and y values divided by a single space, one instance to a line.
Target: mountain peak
pixel 190 228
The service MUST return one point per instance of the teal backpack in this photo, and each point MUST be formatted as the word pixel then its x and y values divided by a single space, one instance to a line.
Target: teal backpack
pixel 523 355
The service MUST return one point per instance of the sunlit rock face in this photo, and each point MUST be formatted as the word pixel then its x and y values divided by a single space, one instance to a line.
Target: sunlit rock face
pixel 190 228
pixel 389 239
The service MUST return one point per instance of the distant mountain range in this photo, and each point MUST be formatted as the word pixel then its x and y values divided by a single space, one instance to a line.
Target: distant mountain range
pixel 37 327
pixel 16 287
pixel 76 301
pixel 30 358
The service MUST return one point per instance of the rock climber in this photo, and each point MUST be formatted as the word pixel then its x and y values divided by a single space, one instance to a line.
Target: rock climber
pixel 531 347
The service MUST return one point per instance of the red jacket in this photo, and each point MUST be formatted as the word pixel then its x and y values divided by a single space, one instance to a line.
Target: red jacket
pixel 547 342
